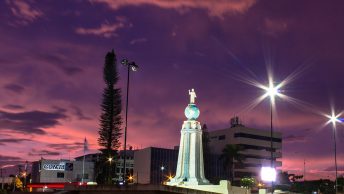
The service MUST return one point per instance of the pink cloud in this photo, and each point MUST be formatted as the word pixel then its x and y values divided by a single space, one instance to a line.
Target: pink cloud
pixel 217 9
pixel 24 11
pixel 274 27
pixel 105 30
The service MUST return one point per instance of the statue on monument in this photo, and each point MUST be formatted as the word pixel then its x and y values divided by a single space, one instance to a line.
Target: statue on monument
pixel 192 94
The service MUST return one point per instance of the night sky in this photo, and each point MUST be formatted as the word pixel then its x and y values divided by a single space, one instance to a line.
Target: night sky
pixel 52 57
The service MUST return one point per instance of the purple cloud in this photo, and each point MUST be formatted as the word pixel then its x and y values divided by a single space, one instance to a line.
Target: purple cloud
pixel 32 122
pixel 14 88
pixel 13 106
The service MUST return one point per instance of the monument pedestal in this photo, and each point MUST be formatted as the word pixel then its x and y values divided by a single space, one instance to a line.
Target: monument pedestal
pixel 190 166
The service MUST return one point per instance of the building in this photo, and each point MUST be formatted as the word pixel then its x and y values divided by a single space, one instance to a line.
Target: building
pixel 61 171
pixel 89 157
pixel 117 164
pixel 154 165
pixel 129 163
pixel 256 145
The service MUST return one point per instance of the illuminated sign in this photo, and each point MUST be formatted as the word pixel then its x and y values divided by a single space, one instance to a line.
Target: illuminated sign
pixel 60 166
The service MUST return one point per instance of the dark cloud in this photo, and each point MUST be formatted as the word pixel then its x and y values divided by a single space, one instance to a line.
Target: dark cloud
pixel 66 146
pixel 13 140
pixel 14 88
pixel 9 161
pixel 294 138
pixel 9 158
pixel 43 153
pixel 78 112
pixel 59 109
pixel 61 62
pixel 70 70
pixel 32 122
pixel 13 106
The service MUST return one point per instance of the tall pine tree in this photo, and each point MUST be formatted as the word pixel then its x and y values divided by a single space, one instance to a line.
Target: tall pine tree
pixel 110 120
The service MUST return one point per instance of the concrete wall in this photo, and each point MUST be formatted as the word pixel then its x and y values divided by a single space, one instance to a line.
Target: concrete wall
pixel 88 171
pixel 142 171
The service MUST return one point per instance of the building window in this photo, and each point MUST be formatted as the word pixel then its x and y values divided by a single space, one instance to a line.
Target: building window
pixel 222 137
pixel 60 175
pixel 258 137
pixel 215 137
pixel 69 167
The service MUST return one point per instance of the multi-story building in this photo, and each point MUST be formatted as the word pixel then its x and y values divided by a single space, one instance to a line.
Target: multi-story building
pixel 117 164
pixel 61 171
pixel 154 165
pixel 129 163
pixel 255 144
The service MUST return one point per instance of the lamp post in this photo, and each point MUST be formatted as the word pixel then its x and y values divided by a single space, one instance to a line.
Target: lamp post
pixel 271 91
pixel 334 119
pixel 110 167
pixel 162 168
pixel 131 67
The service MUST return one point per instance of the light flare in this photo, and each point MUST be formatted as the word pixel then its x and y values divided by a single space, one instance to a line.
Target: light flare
pixel 272 90
pixel 334 118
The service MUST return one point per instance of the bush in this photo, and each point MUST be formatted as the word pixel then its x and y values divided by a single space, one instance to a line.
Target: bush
pixel 3 191
pixel 247 182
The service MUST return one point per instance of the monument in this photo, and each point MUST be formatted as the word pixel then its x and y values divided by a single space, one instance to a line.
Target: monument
pixel 190 166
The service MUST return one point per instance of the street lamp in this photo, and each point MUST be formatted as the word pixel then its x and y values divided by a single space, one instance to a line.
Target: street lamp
pixel 269 173
pixel 333 118
pixel 110 167
pixel 110 160
pixel 131 67
pixel 162 168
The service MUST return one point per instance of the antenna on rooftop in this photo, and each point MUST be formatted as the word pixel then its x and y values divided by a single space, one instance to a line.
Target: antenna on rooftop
pixel 235 122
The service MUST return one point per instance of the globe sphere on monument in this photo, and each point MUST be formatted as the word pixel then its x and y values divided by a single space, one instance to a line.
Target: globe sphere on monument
pixel 192 112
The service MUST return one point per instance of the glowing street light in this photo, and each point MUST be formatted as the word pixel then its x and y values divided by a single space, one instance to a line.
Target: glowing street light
pixel 131 179
pixel 268 174
pixel 333 118
pixel 110 160
pixel 162 168
pixel 169 177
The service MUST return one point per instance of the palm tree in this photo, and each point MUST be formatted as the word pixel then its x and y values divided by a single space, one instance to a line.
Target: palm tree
pixel 230 155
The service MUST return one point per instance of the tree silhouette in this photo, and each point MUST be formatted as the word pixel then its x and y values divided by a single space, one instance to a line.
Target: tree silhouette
pixel 110 119
pixel 230 154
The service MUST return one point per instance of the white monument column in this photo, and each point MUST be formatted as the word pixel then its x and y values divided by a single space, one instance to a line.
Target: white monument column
pixel 190 166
